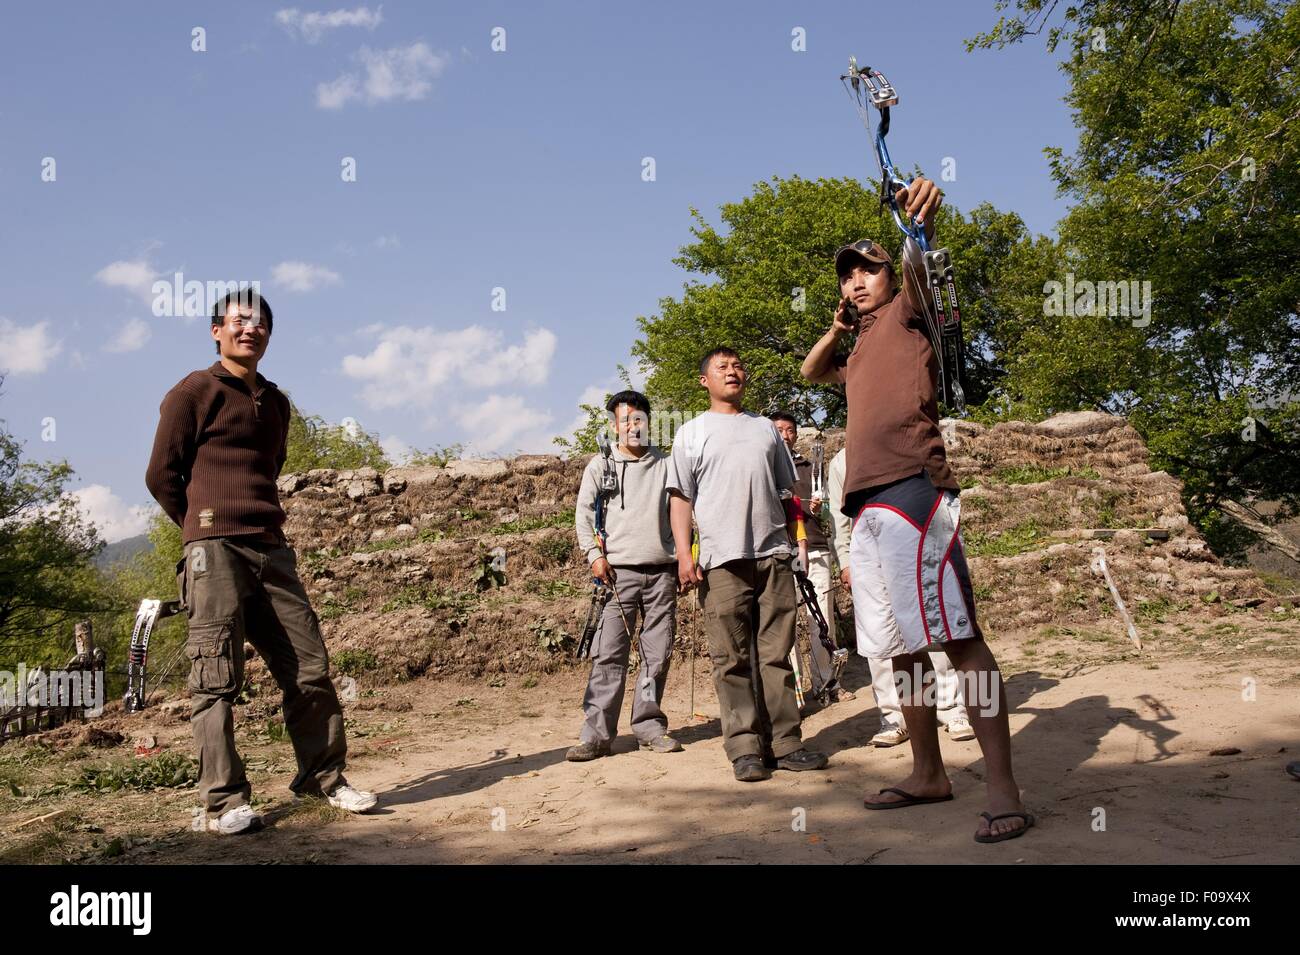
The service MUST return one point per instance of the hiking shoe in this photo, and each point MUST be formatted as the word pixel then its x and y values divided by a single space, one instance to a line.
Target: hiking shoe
pixel 662 744
pixel 890 735
pixel 801 760
pixel 960 729
pixel 586 751
pixel 353 800
pixel 232 822
pixel 749 769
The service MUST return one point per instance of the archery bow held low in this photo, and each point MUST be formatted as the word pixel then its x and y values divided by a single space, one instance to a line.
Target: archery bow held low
pixel 602 591
pixel 869 89
pixel 839 656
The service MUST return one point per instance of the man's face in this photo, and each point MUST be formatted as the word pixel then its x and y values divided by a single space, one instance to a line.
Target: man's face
pixel 724 379
pixel 868 285
pixel 633 427
pixel 243 335
pixel 788 432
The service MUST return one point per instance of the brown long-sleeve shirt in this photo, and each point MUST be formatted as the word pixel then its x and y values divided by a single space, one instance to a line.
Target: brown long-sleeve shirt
pixel 217 453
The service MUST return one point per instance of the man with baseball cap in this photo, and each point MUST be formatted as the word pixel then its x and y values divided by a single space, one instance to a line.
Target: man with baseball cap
pixel 911 587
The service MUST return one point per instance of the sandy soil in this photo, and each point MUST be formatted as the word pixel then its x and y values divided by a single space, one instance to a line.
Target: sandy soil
pixel 1096 727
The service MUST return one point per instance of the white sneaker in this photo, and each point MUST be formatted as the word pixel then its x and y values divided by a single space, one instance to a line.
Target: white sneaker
pixel 890 736
pixel 234 821
pixel 960 729
pixel 353 800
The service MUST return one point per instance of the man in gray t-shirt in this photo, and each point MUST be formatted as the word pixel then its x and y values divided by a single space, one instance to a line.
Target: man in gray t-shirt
pixel 729 469
pixel 732 467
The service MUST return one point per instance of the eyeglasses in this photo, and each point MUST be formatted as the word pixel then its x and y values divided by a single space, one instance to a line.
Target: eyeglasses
pixel 244 317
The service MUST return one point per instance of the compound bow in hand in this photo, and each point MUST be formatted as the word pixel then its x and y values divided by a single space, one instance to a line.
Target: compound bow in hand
pixel 868 87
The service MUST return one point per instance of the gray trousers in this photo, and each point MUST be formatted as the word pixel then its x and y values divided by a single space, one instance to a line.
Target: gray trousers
pixel 232 590
pixel 651 591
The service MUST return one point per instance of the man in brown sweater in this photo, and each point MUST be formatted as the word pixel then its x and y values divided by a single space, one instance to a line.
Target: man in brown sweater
pixel 220 445
pixel 911 586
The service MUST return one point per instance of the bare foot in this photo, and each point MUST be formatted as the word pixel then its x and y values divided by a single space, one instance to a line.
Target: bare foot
pixel 998 804
pixel 923 787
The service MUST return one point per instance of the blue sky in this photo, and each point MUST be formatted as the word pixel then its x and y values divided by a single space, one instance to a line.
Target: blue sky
pixel 475 170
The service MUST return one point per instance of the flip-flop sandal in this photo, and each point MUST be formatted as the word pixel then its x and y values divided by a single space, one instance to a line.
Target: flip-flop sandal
pixel 907 800
pixel 1013 834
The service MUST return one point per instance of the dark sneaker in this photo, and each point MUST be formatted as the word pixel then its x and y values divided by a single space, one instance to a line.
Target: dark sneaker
pixel 662 744
pixel 586 751
pixel 802 759
pixel 749 769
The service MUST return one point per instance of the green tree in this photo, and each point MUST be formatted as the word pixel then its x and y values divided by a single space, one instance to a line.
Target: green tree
pixel 47 580
pixel 315 443
pixel 764 285
pixel 1185 176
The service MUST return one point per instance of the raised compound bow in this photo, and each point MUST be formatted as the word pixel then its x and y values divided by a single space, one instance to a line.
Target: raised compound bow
pixel 868 89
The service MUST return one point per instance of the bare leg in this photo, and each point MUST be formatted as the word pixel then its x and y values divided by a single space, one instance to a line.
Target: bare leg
pixel 988 717
pixel 928 777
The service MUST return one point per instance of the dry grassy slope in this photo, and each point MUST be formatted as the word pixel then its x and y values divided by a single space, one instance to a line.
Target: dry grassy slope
pixel 389 561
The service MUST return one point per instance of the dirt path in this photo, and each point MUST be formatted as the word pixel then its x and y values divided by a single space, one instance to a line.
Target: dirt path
pixel 1132 738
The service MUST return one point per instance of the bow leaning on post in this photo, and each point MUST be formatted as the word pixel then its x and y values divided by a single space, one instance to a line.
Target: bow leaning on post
pixel 866 86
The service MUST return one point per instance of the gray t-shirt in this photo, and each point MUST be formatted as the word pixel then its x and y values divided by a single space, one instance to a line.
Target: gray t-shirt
pixel 733 468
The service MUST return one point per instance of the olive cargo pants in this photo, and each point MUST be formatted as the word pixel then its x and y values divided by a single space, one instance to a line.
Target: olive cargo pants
pixel 234 589
pixel 749 615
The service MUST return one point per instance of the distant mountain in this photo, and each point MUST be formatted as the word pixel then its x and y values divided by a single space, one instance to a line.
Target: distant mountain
pixel 123 550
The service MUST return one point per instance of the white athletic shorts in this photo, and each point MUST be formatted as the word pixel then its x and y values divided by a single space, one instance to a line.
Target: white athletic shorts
pixel 911 587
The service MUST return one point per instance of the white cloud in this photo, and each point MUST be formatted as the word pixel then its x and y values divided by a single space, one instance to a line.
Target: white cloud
pixel 400 73
pixel 395 449
pixel 591 395
pixel 26 349
pixel 303 276
pixel 311 26
pixel 504 423
pixel 131 337
pixel 113 516
pixel 388 242
pixel 412 365
pixel 136 276
pixel 335 94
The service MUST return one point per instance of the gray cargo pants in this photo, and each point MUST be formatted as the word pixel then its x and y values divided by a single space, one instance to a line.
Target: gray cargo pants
pixel 233 590
pixel 652 590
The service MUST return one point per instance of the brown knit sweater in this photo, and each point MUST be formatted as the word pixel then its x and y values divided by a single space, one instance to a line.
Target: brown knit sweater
pixel 217 453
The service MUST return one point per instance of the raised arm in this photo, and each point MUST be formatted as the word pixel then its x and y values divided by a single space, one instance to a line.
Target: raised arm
pixel 921 200
pixel 821 366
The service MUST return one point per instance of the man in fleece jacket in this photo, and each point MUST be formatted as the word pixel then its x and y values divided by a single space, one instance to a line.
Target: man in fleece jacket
pixel 636 558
